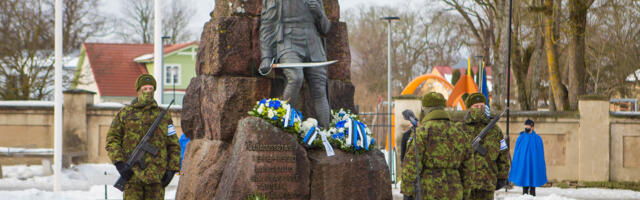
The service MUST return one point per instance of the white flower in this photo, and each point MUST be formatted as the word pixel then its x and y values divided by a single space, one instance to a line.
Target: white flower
pixel 307 124
pixel 271 113
pixel 341 130
pixel 333 130
pixel 260 108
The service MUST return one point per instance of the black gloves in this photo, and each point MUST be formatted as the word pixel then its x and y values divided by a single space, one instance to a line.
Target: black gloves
pixel 166 179
pixel 501 183
pixel 124 169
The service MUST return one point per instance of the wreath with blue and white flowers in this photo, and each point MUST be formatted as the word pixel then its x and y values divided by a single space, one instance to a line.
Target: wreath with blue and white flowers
pixel 346 131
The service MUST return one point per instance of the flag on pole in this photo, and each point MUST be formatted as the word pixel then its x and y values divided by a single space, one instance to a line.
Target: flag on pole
pixel 484 88
pixel 469 67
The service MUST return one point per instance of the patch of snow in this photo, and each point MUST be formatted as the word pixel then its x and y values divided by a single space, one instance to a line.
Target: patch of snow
pixel 15 150
pixel 569 193
pixel 27 103
pixel 81 182
pixel 143 58
pixel 109 105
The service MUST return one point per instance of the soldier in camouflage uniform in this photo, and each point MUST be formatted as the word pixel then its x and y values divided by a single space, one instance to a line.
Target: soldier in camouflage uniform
pixel 491 170
pixel 443 149
pixel 126 131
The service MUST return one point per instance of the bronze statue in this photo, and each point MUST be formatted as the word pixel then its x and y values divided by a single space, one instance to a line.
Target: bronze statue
pixel 290 32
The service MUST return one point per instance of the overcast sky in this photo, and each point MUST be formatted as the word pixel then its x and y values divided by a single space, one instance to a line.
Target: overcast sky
pixel 204 7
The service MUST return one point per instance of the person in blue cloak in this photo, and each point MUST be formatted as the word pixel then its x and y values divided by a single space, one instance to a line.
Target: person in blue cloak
pixel 184 140
pixel 528 168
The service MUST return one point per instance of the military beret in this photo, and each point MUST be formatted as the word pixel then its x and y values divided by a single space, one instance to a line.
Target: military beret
pixel 474 99
pixel 433 99
pixel 145 79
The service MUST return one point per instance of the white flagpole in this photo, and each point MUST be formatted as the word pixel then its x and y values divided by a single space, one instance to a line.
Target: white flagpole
pixel 58 99
pixel 158 65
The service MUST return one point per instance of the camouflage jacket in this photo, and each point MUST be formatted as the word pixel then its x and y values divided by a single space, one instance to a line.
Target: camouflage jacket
pixel 443 149
pixel 126 131
pixel 492 166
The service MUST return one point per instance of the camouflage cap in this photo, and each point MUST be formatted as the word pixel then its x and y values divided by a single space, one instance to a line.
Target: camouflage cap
pixel 433 99
pixel 474 98
pixel 145 79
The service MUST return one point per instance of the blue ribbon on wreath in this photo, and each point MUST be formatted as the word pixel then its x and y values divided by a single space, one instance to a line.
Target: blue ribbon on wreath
pixel 309 133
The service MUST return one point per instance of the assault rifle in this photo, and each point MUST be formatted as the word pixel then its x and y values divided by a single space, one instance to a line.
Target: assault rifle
pixel 476 141
pixel 137 157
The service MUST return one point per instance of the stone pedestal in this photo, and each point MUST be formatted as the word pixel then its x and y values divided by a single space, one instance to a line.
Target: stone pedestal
pixel 363 176
pixel 231 155
pixel 265 160
pixel 202 168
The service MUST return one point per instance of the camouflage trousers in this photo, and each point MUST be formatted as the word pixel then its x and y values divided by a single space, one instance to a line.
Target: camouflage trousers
pixel 481 195
pixel 141 191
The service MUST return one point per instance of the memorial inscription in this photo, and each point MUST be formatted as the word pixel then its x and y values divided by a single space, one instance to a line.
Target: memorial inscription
pixel 275 169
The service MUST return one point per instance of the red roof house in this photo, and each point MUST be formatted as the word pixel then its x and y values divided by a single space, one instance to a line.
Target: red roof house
pixel 111 69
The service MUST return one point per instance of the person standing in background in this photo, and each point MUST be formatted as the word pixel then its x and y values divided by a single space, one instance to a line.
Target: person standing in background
pixel 528 168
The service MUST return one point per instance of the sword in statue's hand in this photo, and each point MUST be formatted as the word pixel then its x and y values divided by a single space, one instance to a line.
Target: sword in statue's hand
pixel 274 65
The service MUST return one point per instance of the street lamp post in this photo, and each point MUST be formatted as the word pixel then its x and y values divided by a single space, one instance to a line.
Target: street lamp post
pixel 389 102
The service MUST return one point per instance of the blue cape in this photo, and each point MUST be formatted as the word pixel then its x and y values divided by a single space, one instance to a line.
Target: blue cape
pixel 528 168
pixel 184 140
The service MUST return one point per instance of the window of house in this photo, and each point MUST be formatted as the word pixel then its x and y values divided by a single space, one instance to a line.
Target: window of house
pixel 172 74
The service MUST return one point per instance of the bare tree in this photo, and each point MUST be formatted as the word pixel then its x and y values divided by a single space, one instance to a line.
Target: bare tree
pixel 26 54
pixel 613 48
pixel 175 26
pixel 419 43
pixel 578 10
pixel 559 94
pixel 486 21
pixel 138 21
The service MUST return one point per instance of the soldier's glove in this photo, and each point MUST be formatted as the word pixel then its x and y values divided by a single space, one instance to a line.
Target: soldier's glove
pixel 124 169
pixel 166 179
pixel 501 183
pixel 265 66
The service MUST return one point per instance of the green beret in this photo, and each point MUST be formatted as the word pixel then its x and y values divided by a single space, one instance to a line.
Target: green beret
pixel 433 99
pixel 145 79
pixel 474 98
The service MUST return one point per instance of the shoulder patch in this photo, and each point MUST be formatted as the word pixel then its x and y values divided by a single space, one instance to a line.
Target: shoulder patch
pixel 503 145
pixel 171 130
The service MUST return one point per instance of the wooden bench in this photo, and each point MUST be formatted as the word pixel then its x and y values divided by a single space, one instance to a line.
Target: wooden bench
pixel 45 153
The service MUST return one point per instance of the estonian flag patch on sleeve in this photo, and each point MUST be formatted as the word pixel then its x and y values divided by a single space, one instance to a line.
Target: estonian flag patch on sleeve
pixel 171 130
pixel 503 145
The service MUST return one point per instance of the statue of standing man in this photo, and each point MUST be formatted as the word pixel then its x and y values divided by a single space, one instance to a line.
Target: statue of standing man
pixel 290 33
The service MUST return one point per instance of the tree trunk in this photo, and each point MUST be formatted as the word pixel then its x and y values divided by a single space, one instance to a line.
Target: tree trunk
pixel 557 90
pixel 500 56
pixel 536 66
pixel 578 10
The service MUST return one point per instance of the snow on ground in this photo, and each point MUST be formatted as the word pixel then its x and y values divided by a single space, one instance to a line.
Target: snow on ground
pixel 87 181
pixel 81 182
pixel 27 103
pixel 558 194
pixel 569 194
